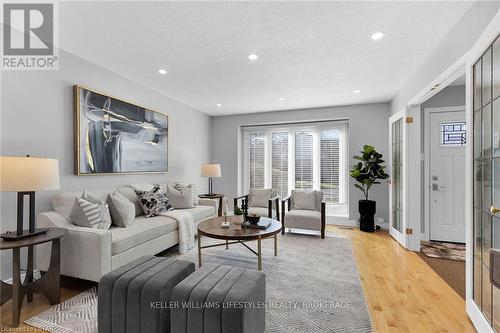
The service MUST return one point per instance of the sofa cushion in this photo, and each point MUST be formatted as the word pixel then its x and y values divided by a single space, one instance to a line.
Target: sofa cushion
pixel 142 230
pixel 260 211
pixel 154 202
pixel 304 199
pixel 180 198
pixel 91 214
pixel 63 202
pixel 303 219
pixel 122 210
pixel 129 193
pixel 259 197
pixel 199 212
pixel 179 186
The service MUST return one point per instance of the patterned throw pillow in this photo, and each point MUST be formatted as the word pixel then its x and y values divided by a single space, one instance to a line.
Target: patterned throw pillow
pixel 154 202
pixel 180 186
pixel 90 214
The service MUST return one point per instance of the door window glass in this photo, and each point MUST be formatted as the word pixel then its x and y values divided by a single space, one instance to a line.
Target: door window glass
pixel 397 170
pixel 453 133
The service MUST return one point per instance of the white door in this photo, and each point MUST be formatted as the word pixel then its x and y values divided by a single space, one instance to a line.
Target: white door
pixel 447 139
pixel 397 167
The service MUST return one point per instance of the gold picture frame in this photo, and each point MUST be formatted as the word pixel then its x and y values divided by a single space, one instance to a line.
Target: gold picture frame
pixel 115 136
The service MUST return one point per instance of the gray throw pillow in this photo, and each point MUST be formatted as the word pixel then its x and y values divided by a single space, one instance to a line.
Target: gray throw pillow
pixel 180 186
pixel 305 200
pixel 122 210
pixel 89 196
pixel 154 202
pixel 180 199
pixel 90 214
pixel 259 197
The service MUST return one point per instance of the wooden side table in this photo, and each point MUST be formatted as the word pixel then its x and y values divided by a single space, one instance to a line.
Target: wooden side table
pixel 214 196
pixel 48 285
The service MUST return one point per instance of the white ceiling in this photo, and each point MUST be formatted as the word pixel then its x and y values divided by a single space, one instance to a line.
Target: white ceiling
pixel 312 54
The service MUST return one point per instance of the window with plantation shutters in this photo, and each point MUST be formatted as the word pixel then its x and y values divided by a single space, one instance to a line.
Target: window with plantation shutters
pixel 257 160
pixel 308 156
pixel 303 160
pixel 279 157
pixel 329 165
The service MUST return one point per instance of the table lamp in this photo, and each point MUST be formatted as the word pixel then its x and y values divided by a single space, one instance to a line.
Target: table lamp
pixel 210 170
pixel 25 175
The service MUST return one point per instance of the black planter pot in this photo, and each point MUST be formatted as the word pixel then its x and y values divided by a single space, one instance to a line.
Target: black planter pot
pixel 367 210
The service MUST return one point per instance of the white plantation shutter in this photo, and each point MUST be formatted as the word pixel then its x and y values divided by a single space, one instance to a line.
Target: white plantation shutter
pixel 279 166
pixel 303 160
pixel 298 156
pixel 257 160
pixel 330 164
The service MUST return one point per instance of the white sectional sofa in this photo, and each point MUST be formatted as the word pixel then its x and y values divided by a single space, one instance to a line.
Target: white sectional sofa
pixel 88 253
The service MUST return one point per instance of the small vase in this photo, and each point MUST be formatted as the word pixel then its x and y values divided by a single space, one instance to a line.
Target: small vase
pixel 238 221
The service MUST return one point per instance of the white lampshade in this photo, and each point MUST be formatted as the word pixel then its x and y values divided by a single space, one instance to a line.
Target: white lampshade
pixel 210 170
pixel 25 174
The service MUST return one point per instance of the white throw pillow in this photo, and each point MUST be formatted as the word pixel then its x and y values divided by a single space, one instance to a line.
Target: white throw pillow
pixel 180 199
pixel 121 209
pixel 91 215
pixel 305 200
pixel 259 197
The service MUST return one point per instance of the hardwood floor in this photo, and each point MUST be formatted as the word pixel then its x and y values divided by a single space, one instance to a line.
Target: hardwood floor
pixel 403 293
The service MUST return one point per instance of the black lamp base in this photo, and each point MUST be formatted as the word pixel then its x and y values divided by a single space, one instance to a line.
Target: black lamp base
pixel 14 236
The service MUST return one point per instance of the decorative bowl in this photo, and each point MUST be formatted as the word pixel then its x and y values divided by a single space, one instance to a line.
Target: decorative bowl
pixel 253 218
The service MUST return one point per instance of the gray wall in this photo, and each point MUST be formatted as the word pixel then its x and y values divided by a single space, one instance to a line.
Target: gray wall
pixel 368 124
pixel 456 44
pixel 449 96
pixel 37 119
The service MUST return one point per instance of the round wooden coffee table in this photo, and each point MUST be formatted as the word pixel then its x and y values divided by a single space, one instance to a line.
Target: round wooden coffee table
pixel 212 228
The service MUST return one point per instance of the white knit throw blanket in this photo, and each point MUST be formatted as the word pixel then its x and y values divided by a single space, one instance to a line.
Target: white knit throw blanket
pixel 185 229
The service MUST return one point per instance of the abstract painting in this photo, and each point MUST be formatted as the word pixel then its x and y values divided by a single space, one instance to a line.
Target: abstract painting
pixel 115 136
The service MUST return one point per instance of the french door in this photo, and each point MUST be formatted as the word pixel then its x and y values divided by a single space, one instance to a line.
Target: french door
pixel 486 182
pixel 398 184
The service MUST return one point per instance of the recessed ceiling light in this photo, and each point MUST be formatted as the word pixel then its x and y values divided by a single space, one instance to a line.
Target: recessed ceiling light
pixel 162 71
pixel 281 99
pixel 253 57
pixel 357 91
pixel 219 105
pixel 377 35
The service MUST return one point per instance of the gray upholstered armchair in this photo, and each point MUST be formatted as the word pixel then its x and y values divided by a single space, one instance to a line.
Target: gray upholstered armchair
pixel 306 210
pixel 261 202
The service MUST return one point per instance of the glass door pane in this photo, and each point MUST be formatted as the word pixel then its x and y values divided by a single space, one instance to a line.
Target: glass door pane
pixel 397 172
pixel 486 180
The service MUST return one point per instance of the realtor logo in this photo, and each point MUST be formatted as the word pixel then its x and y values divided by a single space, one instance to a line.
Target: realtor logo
pixel 29 36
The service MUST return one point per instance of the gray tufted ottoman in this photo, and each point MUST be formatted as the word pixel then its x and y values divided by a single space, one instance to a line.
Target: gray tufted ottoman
pixel 220 299
pixel 126 294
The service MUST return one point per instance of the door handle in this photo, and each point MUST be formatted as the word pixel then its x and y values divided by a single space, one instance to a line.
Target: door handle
pixel 494 210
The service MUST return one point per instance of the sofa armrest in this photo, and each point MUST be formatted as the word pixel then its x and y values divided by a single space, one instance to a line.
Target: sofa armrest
pixel 85 252
pixel 210 202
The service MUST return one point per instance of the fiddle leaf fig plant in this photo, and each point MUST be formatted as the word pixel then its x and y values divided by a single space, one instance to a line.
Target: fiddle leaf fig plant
pixel 369 169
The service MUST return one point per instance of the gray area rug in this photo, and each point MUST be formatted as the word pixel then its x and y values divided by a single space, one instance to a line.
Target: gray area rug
pixel 77 314
pixel 312 285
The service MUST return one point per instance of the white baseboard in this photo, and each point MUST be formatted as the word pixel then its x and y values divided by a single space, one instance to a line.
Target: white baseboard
pixel 36 275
